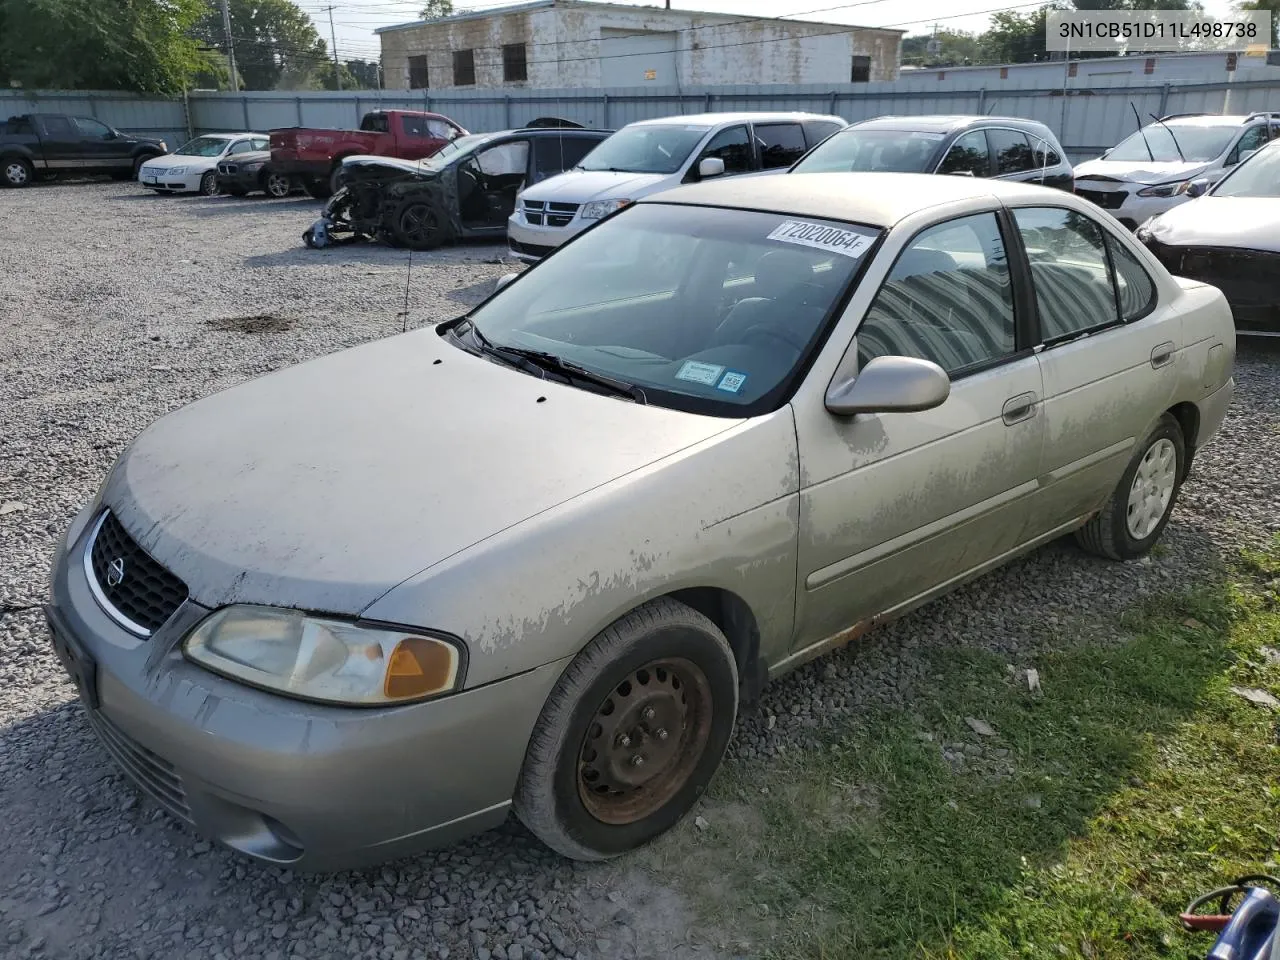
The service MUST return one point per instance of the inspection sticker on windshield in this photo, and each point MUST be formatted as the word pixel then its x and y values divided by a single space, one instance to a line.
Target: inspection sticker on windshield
pixel 707 373
pixel 732 381
pixel 822 237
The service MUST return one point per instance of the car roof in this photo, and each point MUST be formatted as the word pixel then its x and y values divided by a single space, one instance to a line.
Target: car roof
pixel 1206 120
pixel 878 199
pixel 715 119
pixel 231 136
pixel 942 123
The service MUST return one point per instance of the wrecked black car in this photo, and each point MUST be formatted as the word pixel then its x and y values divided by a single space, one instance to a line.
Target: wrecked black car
pixel 467 190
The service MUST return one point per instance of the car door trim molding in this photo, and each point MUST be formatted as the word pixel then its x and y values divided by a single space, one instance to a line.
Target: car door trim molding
pixel 1058 474
pixel 888 548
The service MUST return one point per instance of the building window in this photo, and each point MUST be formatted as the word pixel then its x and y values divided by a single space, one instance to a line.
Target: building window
pixel 464 68
pixel 418 73
pixel 514 66
pixel 861 70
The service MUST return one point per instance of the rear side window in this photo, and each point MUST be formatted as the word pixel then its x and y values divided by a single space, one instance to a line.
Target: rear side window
pixel 1134 286
pixel 1044 153
pixel 1069 270
pixel 554 155
pixel 19 126
pixel 968 155
pixel 374 123
pixel 733 147
pixel 59 127
pixel 781 144
pixel 1013 152
pixel 815 131
pixel 261 143
pixel 947 299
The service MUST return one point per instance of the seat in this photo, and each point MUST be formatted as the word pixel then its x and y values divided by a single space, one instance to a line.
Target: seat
pixel 781 276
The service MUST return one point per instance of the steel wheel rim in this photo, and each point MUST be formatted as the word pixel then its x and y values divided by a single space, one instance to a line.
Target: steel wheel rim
pixel 16 173
pixel 1152 488
pixel 417 225
pixel 277 185
pixel 659 713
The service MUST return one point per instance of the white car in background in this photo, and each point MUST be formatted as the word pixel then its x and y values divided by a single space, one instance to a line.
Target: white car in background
pixel 193 167
pixel 653 155
pixel 1148 172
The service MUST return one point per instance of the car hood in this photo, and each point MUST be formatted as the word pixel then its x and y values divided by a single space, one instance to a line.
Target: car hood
pixel 184 160
pixel 391 164
pixel 1247 222
pixel 1130 172
pixel 325 485
pixel 582 186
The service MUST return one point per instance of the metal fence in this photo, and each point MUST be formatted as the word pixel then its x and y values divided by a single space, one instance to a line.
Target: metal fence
pixel 1087 118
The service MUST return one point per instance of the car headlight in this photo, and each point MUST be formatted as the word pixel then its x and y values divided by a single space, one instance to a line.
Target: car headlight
pixel 317 658
pixel 175 171
pixel 597 209
pixel 1172 189
pixel 1143 232
pixel 256 165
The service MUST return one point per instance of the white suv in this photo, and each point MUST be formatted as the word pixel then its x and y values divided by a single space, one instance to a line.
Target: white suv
pixel 653 155
pixel 1149 171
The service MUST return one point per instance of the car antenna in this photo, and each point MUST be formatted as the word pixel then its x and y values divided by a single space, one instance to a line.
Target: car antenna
pixel 1138 120
pixel 1171 136
pixel 408 274
pixel 993 106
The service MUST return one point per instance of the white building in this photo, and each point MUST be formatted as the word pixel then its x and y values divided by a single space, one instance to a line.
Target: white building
pixel 575 43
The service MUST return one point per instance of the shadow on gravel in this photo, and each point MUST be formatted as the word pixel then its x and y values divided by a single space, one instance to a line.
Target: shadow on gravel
pixel 381 253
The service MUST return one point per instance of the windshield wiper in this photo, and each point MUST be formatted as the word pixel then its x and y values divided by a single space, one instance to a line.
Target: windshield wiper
pixel 546 362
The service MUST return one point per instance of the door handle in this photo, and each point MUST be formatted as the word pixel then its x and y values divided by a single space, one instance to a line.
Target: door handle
pixel 1019 408
pixel 1162 354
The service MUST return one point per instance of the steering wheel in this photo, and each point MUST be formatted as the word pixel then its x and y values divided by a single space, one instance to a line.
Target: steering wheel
pixel 769 335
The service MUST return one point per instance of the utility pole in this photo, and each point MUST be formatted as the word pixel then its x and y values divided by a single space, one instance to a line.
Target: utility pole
pixel 337 67
pixel 231 47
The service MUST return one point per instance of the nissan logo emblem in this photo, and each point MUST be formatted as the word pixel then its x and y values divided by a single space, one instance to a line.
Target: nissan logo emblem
pixel 115 572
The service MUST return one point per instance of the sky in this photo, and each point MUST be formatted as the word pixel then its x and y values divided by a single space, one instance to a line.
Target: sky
pixel 355 20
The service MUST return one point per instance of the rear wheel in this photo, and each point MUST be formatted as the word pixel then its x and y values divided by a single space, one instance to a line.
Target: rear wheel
pixel 417 224
pixel 277 185
pixel 336 179
pixel 631 735
pixel 317 188
pixel 209 184
pixel 15 172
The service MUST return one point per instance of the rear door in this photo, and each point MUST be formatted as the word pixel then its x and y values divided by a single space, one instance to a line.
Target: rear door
pixel 1108 354
pixel 780 144
pixel 1011 151
pixel 61 142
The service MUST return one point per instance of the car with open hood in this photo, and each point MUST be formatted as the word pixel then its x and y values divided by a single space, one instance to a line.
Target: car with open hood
pixel 1150 171
pixel 654 155
pixel 1228 235
pixel 193 167
pixel 534 557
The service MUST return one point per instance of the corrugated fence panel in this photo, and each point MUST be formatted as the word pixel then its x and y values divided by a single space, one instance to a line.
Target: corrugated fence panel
pixel 127 112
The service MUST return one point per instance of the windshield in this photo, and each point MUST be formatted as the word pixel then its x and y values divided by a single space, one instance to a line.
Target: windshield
pixel 1259 176
pixel 872 151
pixel 703 309
pixel 645 149
pixel 454 147
pixel 1198 143
pixel 203 147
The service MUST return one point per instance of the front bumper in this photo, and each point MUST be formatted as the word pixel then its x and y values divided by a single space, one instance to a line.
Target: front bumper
pixel 531 243
pixel 1131 209
pixel 180 183
pixel 242 179
pixel 314 786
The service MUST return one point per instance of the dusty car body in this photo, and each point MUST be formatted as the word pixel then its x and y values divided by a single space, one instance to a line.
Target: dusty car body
pixel 728 429
pixel 467 190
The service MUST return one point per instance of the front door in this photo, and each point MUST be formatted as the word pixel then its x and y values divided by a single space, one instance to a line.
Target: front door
pixel 894 506
pixel 488 182
pixel 100 148
pixel 1108 355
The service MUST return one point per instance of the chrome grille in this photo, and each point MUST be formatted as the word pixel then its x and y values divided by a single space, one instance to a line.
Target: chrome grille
pixel 154 775
pixel 538 212
pixel 134 590
pixel 227 169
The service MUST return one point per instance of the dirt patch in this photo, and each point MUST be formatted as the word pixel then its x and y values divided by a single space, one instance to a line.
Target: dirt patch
pixel 254 323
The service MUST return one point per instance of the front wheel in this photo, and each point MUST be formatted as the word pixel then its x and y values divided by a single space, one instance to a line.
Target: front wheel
pixel 209 184
pixel 15 172
pixel 277 185
pixel 631 735
pixel 1131 522
pixel 416 224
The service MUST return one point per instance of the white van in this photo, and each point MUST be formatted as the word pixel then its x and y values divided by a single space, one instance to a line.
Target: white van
pixel 1149 171
pixel 653 155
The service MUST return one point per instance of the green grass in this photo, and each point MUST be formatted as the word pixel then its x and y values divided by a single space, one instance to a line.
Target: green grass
pixel 1134 780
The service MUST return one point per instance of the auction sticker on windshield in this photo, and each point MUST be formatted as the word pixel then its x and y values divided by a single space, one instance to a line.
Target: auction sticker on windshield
pixel 820 236
pixel 698 372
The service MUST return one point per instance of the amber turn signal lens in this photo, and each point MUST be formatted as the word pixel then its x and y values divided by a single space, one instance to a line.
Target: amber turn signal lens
pixel 420 666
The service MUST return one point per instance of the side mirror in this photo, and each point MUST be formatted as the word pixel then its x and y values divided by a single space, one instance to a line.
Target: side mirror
pixel 710 167
pixel 889 385
pixel 504 280
pixel 1198 188
pixel 112 135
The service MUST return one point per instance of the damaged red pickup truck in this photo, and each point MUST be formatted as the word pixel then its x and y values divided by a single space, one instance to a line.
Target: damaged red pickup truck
pixel 314 156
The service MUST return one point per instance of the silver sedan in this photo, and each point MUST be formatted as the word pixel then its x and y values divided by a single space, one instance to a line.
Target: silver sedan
pixel 532 559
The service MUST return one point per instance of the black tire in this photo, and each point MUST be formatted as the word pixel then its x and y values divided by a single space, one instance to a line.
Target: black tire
pixel 137 163
pixel 209 185
pixel 418 224
pixel 336 179
pixel 630 664
pixel 276 185
pixel 1110 532
pixel 317 188
pixel 16 172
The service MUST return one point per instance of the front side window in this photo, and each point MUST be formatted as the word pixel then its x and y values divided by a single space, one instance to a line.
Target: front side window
pixel 1012 150
pixel 92 129
pixel 504 160
pixel 861 150
pixel 968 155
pixel 203 147
pixel 1169 142
pixel 1069 271
pixel 781 144
pixel 947 299
pixel 439 129
pixel 704 309
pixel 733 146
pixel 647 148
pixel 1259 177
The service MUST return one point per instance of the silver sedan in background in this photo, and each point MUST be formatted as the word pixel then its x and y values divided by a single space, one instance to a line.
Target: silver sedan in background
pixel 533 558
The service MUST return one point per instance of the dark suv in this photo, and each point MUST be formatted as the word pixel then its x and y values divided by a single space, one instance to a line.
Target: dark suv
pixel 1007 148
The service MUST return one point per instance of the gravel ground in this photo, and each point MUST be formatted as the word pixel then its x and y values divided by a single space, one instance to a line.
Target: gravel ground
pixel 118 306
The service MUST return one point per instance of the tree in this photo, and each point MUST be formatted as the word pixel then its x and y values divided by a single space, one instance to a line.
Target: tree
pixel 142 45
pixel 274 41
pixel 436 9
pixel 1017 37
pixel 953 48
pixel 1274 7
